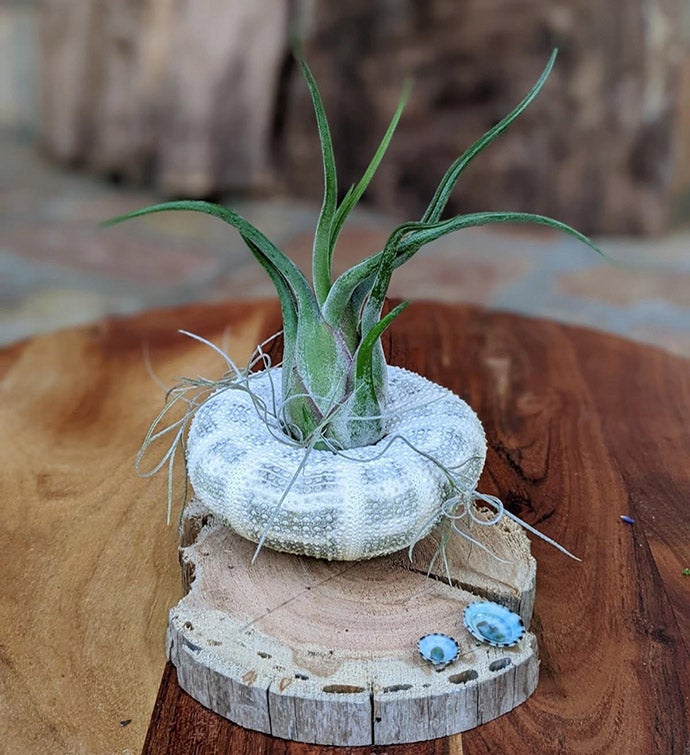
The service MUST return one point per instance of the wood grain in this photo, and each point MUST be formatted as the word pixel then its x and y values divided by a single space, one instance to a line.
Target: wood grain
pixel 89 566
pixel 582 427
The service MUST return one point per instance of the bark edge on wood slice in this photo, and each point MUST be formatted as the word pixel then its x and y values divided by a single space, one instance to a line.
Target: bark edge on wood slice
pixel 325 652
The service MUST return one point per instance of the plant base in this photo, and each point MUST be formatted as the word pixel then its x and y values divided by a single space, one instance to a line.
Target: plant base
pixel 325 652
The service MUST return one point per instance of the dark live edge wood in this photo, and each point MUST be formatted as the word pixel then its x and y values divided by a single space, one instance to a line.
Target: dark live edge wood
pixel 583 427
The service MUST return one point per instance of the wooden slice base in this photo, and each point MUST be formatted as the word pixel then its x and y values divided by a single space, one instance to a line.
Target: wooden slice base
pixel 325 652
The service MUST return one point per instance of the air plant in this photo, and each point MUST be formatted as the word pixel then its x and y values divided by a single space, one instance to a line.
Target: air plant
pixel 263 478
pixel 334 374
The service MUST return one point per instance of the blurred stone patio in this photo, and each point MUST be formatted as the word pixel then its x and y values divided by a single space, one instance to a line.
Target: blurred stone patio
pixel 58 268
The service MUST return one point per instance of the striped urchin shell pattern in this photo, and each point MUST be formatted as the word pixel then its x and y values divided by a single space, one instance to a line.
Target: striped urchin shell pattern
pixel 368 502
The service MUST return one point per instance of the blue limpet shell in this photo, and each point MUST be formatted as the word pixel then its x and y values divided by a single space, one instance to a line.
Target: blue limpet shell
pixel 438 649
pixel 493 623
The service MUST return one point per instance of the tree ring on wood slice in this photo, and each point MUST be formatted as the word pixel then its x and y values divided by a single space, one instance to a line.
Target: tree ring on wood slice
pixel 326 652
pixel 375 500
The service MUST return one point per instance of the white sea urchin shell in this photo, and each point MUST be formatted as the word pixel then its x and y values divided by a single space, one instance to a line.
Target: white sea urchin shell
pixel 339 508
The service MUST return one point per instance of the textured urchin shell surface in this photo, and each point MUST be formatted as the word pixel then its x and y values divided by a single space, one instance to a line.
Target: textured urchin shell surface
pixel 367 502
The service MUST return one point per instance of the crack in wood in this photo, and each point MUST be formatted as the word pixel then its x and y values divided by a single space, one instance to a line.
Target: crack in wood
pixel 455 583
pixel 300 594
pixel 372 707
pixel 268 708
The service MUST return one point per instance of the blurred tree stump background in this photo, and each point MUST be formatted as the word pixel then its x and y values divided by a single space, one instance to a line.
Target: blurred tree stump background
pixel 179 95
pixel 201 98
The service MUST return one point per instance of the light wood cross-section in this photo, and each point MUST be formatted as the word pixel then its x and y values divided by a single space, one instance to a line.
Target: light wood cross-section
pixel 325 652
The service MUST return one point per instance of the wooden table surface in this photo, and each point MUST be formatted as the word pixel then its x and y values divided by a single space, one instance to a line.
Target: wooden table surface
pixel 582 428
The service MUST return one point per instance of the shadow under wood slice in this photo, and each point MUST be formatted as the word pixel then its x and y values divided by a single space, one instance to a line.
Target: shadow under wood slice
pixel 325 652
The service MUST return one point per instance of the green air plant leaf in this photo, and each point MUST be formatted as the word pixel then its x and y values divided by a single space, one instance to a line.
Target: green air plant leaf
pixel 268 255
pixel 323 249
pixel 355 193
pixel 334 372
pixel 364 367
pixel 440 199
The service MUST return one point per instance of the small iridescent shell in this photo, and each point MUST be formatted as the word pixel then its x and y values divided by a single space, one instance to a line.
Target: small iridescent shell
pixel 438 649
pixel 493 623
